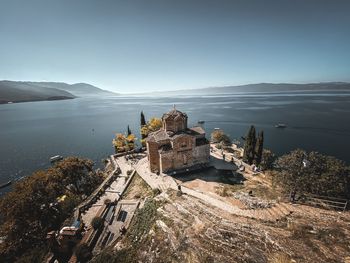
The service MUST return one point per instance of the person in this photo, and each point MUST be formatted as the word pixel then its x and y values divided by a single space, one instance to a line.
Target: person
pixel 122 230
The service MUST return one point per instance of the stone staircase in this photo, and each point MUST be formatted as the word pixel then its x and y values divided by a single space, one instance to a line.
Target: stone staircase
pixel 272 214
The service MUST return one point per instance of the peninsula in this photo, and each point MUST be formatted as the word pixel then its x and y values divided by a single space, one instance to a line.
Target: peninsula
pixel 182 198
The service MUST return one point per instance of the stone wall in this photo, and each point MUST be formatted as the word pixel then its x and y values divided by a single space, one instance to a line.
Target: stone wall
pixel 166 161
pixel 201 153
pixel 153 156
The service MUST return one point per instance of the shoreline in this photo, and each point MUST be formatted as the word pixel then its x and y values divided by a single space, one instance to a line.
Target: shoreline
pixel 38 100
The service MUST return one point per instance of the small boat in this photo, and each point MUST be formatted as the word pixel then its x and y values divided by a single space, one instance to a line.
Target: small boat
pixel 5 184
pixel 56 158
pixel 280 125
pixel 201 122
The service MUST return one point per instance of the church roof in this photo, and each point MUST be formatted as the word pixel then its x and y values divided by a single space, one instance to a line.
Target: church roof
pixel 198 129
pixel 174 113
pixel 159 135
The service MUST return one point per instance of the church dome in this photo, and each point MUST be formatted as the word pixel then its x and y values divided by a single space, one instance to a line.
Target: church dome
pixel 174 121
pixel 174 114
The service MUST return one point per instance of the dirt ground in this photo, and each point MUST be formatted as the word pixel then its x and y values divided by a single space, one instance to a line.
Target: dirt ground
pixel 175 227
pixel 189 231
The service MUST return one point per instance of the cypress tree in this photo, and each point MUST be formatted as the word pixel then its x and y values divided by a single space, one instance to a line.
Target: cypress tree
pixel 249 145
pixel 259 147
pixel 143 119
pixel 143 124
pixel 129 131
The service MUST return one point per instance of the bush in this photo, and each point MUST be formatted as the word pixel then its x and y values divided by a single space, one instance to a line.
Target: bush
pixel 218 136
pixel 156 191
pixel 143 221
pixel 97 222
pixel 107 201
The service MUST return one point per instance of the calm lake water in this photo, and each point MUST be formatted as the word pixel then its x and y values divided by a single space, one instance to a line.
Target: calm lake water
pixel 32 132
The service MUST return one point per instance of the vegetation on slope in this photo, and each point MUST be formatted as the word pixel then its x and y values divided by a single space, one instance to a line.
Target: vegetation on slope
pixel 13 91
pixel 313 173
pixel 41 202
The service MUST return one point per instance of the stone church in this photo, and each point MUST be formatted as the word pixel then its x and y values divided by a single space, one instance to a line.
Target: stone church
pixel 175 146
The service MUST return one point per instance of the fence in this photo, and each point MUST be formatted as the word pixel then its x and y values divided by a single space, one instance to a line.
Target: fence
pixel 326 202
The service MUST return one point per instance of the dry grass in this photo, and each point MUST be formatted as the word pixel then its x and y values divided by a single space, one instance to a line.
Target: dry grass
pixel 280 258
pixel 137 189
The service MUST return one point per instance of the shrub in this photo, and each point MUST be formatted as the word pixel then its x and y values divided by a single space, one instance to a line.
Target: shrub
pixel 143 221
pixel 156 191
pixel 107 201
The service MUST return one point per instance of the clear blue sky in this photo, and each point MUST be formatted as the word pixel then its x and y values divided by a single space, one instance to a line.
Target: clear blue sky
pixel 132 46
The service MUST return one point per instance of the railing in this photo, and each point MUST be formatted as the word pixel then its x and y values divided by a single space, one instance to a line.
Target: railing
pixel 326 202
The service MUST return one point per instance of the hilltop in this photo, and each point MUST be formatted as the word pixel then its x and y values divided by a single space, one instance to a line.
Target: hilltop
pixel 263 87
pixel 12 91
pixel 77 89
pixel 24 91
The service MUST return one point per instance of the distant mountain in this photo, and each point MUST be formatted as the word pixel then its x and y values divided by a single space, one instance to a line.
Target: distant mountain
pixel 78 89
pixel 15 91
pixel 22 91
pixel 265 87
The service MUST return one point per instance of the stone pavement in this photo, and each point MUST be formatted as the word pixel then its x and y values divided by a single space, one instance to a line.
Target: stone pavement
pixel 161 181
pixel 113 192
pixel 164 182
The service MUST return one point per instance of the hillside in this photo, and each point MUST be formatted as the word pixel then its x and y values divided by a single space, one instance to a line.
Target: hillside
pixel 13 91
pixel 77 89
pixel 265 87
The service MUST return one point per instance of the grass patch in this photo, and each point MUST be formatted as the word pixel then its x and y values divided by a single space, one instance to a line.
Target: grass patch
pixel 280 258
pixel 137 189
pixel 143 221
pixel 264 192
pixel 333 235
pixel 228 189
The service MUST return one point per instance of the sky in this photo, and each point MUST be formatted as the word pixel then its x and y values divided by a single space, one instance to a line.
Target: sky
pixel 155 45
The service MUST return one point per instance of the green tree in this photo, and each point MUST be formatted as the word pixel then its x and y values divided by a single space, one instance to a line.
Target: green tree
pixel 267 160
pixel 314 173
pixel 154 124
pixel 143 124
pixel 249 145
pixel 259 147
pixel 143 119
pixel 36 204
pixel 129 131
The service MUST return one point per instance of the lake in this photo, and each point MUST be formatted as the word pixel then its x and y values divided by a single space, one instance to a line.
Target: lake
pixel 32 132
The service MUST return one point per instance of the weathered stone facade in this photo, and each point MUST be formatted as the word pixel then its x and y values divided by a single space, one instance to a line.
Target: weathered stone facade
pixel 176 147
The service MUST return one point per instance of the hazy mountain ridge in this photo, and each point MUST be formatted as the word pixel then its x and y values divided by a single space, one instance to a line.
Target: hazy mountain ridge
pixel 265 87
pixel 13 91
pixel 24 91
pixel 77 89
